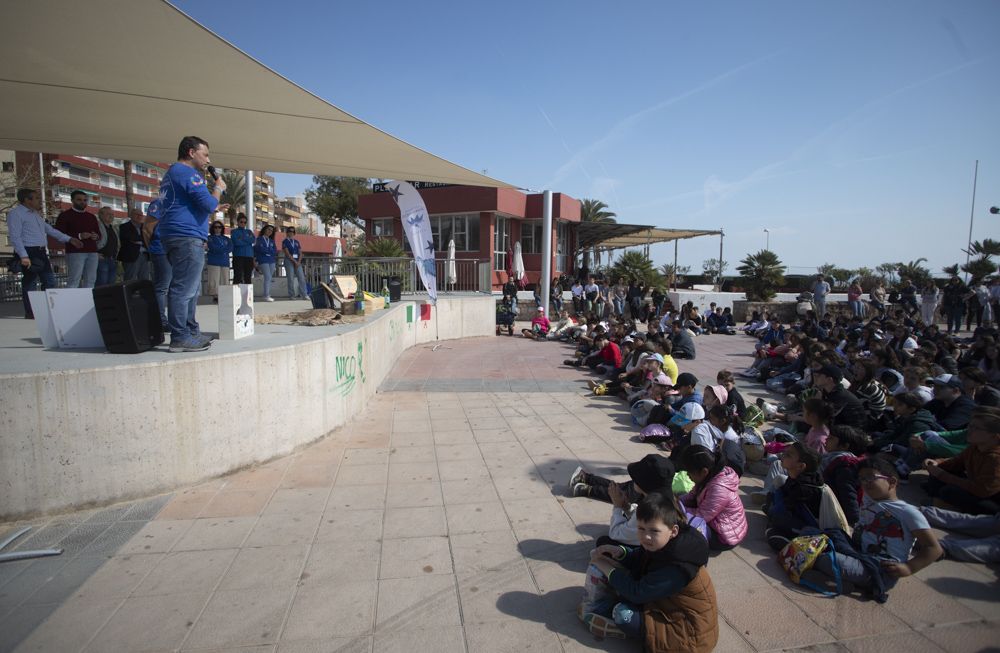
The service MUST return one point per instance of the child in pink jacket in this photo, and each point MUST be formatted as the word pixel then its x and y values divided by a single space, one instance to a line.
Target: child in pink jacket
pixel 715 497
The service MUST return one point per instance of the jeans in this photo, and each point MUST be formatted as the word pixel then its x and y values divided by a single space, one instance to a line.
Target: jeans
pixel 107 271
pixel 137 269
pixel 187 261
pixel 820 306
pixel 857 308
pixel 242 269
pixel 31 277
pixel 162 273
pixel 557 304
pixel 295 273
pixel 955 315
pixel 267 269
pixel 964 500
pixel 619 304
pixel 983 546
pixel 81 266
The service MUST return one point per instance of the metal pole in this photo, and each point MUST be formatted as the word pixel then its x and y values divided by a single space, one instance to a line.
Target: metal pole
pixel 675 266
pixel 722 235
pixel 546 249
pixel 41 179
pixel 972 214
pixel 248 191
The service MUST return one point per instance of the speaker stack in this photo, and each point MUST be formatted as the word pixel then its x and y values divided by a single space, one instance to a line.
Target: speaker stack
pixel 128 316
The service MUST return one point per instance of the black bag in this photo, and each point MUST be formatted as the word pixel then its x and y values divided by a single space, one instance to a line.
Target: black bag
pixel 14 265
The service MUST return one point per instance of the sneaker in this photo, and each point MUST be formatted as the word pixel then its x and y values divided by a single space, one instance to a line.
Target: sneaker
pixel 601 626
pixel 592 385
pixel 775 541
pixel 191 344
pixel 581 490
pixel 576 476
pixel 204 339
pixel 269 299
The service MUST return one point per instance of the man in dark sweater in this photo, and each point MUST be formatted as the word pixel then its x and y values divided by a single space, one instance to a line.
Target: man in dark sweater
pixel 951 407
pixel 847 408
pixel 682 342
pixel 81 262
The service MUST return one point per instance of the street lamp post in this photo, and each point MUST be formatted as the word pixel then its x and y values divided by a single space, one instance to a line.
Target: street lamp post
pixel 767 240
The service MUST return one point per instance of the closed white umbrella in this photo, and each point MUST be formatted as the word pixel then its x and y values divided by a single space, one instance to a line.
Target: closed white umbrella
pixel 338 253
pixel 518 263
pixel 452 272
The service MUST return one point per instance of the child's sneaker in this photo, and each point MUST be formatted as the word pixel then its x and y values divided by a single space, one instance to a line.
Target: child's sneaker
pixel 581 490
pixel 601 390
pixel 601 626
pixel 576 476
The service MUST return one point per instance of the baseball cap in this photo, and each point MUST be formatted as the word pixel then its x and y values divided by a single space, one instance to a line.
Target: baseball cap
pixel 654 473
pixel 688 413
pixel 832 371
pixel 628 339
pixel 949 380
pixel 686 378
pixel 662 379
pixel 656 357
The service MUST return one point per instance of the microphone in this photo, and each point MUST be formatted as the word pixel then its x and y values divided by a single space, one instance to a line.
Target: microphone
pixel 211 171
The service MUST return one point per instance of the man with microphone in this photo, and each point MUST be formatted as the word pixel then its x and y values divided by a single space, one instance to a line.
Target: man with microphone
pixel 186 205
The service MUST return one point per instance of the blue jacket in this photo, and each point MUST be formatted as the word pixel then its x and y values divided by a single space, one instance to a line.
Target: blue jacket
pixel 219 247
pixel 242 241
pixel 292 248
pixel 265 251
pixel 186 203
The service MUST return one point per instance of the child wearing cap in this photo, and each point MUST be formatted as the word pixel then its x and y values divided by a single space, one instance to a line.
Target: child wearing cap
pixel 970 481
pixel 653 473
pixel 539 326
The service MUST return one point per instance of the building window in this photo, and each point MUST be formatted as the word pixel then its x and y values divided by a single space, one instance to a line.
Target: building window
pixel 142 188
pixel 382 228
pixel 464 228
pixel 8 166
pixel 501 241
pixel 531 237
pixel 562 247
pixel 140 169
pixel 79 174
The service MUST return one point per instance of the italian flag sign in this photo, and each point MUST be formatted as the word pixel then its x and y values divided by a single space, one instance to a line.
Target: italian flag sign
pixel 411 313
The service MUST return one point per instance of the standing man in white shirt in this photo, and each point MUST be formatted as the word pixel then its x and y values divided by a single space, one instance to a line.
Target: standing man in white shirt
pixel 28 233
pixel 820 290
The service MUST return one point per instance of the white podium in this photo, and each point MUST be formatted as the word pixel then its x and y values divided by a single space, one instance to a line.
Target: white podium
pixel 235 311
pixel 66 318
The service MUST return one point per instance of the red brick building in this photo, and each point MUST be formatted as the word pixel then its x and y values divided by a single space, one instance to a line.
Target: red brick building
pixel 485 223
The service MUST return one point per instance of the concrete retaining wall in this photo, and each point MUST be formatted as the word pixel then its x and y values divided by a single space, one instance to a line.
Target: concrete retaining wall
pixel 89 437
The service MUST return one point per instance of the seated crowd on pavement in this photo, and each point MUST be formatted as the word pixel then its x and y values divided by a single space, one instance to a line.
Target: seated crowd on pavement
pixel 871 407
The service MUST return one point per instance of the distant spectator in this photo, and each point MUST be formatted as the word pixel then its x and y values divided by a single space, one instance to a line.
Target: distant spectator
pixel 292 249
pixel 219 248
pixel 133 254
pixel 265 256
pixel 243 240
pixel 81 262
pixel 107 248
pixel 820 290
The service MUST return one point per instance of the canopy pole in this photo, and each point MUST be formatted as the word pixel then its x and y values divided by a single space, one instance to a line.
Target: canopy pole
pixel 721 237
pixel 674 274
pixel 546 249
pixel 41 182
pixel 248 191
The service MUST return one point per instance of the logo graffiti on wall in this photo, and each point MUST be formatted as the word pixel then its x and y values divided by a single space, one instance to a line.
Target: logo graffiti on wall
pixel 348 369
pixel 395 329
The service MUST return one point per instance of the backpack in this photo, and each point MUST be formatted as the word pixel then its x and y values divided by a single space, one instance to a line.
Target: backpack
pixel 801 554
pixel 640 411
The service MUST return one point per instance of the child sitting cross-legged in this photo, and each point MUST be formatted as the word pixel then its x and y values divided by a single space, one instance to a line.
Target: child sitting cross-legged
pixel 715 497
pixel 970 481
pixel 879 553
pixel 659 592
pixel 795 505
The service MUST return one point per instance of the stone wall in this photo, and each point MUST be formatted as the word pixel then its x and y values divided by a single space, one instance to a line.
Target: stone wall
pixel 75 438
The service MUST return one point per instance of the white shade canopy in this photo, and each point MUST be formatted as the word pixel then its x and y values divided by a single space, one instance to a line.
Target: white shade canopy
pixel 128 79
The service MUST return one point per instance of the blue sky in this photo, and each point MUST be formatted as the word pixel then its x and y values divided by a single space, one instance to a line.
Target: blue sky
pixel 847 129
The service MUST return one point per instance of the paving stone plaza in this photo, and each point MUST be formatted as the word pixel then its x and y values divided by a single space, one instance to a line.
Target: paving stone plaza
pixel 440 520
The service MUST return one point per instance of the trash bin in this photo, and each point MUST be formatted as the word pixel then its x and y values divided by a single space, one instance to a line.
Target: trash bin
pixel 395 289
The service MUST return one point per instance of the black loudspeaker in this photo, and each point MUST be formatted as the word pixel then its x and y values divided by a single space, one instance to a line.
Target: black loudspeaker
pixel 128 316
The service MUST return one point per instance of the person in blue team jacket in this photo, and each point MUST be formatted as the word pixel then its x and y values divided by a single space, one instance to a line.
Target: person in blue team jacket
pixel 242 251
pixel 219 247
pixel 265 254
pixel 292 249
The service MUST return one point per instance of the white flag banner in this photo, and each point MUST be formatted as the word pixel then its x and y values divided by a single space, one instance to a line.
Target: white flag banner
pixel 417 227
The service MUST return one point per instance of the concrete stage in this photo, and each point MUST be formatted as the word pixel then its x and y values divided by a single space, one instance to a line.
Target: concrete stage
pixel 86 427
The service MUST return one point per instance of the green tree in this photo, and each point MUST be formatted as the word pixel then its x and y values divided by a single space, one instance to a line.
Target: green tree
pixel 951 270
pixel 982 265
pixel 710 268
pixel 594 211
pixel 762 274
pixel 667 271
pixel 637 266
pixel 382 248
pixel 335 199
pixel 915 271
pixel 235 194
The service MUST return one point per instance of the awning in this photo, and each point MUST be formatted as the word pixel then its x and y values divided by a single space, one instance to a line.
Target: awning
pixel 128 79
pixel 613 235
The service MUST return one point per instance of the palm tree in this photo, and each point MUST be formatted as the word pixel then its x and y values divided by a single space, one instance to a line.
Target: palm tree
pixel 635 265
pixel 382 248
pixel 915 271
pixel 594 211
pixel 763 272
pixel 235 194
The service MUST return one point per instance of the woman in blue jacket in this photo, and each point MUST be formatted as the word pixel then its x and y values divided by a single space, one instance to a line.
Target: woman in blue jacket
pixel 292 249
pixel 219 246
pixel 265 254
pixel 243 240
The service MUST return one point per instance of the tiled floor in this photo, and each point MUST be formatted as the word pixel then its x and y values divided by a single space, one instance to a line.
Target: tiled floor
pixel 438 520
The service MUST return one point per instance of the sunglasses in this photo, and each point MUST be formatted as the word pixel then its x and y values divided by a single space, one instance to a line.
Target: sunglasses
pixel 871 479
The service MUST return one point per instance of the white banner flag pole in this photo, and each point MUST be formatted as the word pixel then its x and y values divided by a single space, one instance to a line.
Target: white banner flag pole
pixel 417 227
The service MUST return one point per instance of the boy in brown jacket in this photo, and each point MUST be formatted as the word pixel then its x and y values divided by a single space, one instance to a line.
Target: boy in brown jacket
pixel 660 591
pixel 971 480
